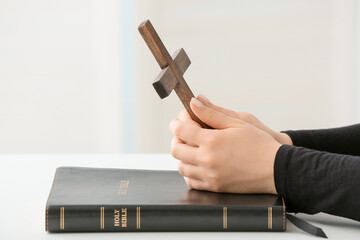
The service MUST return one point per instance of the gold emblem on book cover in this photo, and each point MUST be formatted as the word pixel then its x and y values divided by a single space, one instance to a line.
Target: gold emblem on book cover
pixel 124 184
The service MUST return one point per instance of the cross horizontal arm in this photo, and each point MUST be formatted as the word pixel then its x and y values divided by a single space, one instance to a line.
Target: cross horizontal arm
pixel 166 81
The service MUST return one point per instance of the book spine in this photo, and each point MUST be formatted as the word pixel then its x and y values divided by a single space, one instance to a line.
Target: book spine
pixel 164 218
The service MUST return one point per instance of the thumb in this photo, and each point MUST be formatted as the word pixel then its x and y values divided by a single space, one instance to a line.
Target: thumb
pixel 211 116
pixel 207 102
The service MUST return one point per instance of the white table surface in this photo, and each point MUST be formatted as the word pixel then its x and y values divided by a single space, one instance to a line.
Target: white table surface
pixel 25 182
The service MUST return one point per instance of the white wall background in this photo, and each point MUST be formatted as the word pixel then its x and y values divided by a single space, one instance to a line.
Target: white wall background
pixel 59 76
pixel 62 64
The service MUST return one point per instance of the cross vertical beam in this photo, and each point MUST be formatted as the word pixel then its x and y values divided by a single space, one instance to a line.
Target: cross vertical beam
pixel 164 59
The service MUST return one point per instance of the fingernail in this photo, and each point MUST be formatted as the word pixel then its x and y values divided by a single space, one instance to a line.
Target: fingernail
pixel 203 98
pixel 196 102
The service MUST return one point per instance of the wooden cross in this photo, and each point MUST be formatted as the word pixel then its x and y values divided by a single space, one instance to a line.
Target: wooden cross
pixel 173 68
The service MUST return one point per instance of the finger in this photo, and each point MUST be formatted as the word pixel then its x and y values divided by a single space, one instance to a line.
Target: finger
pixel 184 152
pixel 195 184
pixel 176 139
pixel 189 170
pixel 184 116
pixel 213 117
pixel 186 131
pixel 181 141
pixel 207 102
pixel 184 142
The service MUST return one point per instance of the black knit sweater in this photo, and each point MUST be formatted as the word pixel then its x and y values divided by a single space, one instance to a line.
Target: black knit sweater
pixel 321 172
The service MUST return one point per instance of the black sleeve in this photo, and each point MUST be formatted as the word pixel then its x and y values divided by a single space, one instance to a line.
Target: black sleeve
pixel 313 181
pixel 343 140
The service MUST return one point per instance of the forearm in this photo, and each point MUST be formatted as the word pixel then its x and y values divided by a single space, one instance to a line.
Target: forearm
pixel 343 140
pixel 312 181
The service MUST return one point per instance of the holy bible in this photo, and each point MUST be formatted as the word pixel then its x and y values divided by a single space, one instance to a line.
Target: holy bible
pixel 111 200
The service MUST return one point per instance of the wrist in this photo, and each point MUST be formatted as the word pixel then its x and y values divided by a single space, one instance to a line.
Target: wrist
pixel 283 138
pixel 286 139
pixel 268 181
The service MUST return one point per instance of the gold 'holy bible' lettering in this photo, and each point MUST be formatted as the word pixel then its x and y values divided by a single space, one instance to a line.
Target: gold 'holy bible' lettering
pixel 120 218
pixel 123 217
pixel 116 218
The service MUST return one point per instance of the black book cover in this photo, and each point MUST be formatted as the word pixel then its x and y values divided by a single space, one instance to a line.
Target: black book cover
pixel 109 200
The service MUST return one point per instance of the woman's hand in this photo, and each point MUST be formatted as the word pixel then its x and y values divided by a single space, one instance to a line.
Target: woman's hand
pixel 234 157
pixel 282 138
